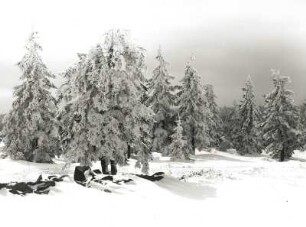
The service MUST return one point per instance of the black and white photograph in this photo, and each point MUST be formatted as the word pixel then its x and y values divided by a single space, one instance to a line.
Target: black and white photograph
pixel 153 113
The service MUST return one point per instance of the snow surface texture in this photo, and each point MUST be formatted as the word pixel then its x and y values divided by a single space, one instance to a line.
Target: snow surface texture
pixel 216 189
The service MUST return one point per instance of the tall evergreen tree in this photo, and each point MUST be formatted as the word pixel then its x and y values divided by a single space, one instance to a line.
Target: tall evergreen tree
pixel 161 101
pixel 303 115
pixel 193 110
pixel 213 119
pixel 30 130
pixel 65 115
pixel 126 79
pixel 178 149
pixel 109 118
pixel 280 125
pixel 228 117
pixel 81 136
pixel 2 116
pixel 246 135
pixel 302 112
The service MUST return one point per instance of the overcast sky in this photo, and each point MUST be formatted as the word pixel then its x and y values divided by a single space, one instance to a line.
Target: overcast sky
pixel 230 39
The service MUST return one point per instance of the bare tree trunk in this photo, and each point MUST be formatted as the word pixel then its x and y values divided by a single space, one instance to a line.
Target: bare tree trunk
pixel 104 165
pixel 193 141
pixel 129 152
pixel 113 167
pixel 282 155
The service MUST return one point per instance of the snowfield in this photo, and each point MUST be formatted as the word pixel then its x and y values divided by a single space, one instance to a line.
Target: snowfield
pixel 216 189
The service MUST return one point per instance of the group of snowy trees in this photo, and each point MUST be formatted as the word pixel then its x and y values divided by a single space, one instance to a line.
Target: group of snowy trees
pixel 276 127
pixel 106 107
pixel 186 116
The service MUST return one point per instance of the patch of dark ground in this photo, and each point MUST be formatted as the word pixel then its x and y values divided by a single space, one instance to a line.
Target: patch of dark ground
pixel 40 186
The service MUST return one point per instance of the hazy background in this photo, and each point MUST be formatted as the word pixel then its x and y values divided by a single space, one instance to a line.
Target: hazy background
pixel 230 39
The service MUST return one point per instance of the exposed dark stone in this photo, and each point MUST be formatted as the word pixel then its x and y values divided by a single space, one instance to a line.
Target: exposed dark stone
pixel 40 186
pixel 2 186
pixel 79 173
pixel 110 178
pixel 95 178
pixel 97 171
pixel 123 181
pixel 57 179
pixel 45 185
pixel 102 181
pixel 20 188
pixel 155 177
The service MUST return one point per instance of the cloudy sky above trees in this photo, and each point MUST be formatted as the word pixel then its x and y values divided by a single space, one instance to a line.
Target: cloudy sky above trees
pixel 230 39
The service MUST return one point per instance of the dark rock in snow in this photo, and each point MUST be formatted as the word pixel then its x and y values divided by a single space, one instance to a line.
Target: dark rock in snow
pixel 2 186
pixel 97 171
pixel 20 188
pixel 57 179
pixel 123 181
pixel 79 173
pixel 45 185
pixel 40 186
pixel 155 177
pixel 110 178
pixel 96 180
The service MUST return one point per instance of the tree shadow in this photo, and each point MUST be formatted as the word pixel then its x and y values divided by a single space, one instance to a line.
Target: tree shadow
pixel 209 157
pixel 186 189
pixel 298 159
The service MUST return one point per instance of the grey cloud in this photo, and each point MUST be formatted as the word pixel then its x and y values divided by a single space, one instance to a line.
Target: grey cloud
pixel 225 54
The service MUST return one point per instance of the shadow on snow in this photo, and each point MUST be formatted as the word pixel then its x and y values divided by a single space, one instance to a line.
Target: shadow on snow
pixel 186 189
pixel 209 157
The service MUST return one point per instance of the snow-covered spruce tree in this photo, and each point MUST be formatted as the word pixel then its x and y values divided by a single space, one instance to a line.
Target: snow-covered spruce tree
pixel 81 111
pixel 65 115
pixel 30 130
pixel 228 117
pixel 126 79
pixel 178 149
pixel 161 101
pixel 303 124
pixel 303 115
pixel 246 136
pixel 2 117
pixel 213 119
pixel 108 117
pixel 280 123
pixel 193 110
